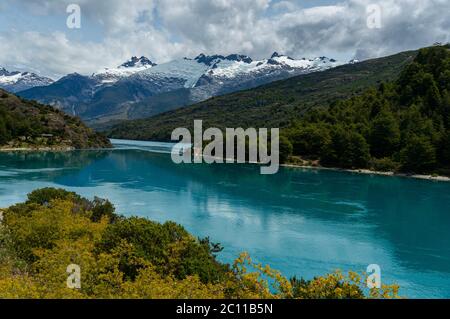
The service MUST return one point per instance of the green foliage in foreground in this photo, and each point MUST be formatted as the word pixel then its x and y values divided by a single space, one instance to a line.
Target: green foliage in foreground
pixel 134 258
pixel 400 125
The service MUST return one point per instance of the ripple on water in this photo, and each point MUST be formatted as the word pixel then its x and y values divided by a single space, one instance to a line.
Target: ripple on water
pixel 300 222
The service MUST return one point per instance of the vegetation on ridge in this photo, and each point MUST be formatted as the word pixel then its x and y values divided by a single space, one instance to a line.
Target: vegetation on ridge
pixel 27 124
pixel 403 125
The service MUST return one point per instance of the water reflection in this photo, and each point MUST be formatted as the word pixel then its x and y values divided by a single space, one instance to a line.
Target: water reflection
pixel 302 222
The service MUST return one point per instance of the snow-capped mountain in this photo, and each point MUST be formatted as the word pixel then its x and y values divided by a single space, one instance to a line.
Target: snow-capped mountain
pixel 132 66
pixel 18 81
pixel 206 76
pixel 237 72
pixel 139 88
pixel 231 67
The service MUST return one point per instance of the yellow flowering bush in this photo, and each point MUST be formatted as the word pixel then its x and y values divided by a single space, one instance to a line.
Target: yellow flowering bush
pixel 135 258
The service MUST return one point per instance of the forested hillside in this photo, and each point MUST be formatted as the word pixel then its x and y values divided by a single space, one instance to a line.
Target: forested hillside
pixel 389 114
pixel 399 125
pixel 30 125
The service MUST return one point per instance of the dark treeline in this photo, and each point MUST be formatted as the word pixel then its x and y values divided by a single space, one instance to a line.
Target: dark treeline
pixel 398 126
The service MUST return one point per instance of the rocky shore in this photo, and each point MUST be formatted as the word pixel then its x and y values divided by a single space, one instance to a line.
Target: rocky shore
pixel 371 172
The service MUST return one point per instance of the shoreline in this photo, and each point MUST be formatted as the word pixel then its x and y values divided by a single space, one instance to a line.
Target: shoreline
pixel 438 178
pixel 336 169
pixel 371 172
pixel 37 149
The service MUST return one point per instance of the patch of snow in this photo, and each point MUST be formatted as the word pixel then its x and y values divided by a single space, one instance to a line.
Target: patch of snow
pixel 231 69
pixel 17 81
pixel 132 66
pixel 10 79
pixel 186 69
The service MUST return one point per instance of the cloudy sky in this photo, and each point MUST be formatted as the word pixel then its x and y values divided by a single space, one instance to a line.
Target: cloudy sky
pixel 34 35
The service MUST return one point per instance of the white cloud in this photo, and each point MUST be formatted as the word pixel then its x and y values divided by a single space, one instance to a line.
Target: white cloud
pixel 166 29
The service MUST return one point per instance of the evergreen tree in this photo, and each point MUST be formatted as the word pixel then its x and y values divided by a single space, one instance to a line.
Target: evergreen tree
pixel 384 135
pixel 3 133
pixel 310 139
pixel 444 150
pixel 347 149
pixel 419 155
pixel 285 149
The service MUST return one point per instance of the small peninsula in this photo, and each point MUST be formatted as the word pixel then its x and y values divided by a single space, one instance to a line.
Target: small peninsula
pixel 28 125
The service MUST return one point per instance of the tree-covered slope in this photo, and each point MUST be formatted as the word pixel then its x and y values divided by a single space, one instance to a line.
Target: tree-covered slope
pixel 398 125
pixel 27 124
pixel 272 105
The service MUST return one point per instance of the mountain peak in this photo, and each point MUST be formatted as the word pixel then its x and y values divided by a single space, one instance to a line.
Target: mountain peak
pixel 275 55
pixel 137 62
pixel 72 77
pixel 134 65
pixel 239 58
pixel 16 81
pixel 3 71
pixel 209 59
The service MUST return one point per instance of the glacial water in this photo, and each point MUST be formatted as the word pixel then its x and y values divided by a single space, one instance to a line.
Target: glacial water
pixel 302 222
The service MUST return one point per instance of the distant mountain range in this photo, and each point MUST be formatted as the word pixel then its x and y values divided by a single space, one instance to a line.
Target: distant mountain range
pixel 19 81
pixel 275 104
pixel 140 88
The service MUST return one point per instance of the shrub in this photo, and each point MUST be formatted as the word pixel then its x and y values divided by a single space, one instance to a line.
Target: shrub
pixel 44 196
pixel 169 247
pixel 133 258
pixel 103 208
pixel 333 286
pixel 385 164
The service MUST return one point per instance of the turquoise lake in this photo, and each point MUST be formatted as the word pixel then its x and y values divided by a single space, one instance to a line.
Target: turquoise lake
pixel 302 222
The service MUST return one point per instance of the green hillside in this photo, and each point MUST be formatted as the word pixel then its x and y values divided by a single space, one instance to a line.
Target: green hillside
pixel 273 105
pixel 29 125
pixel 401 125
